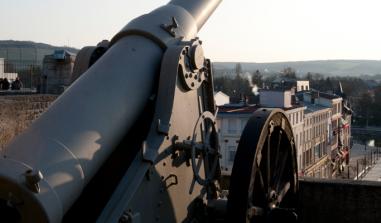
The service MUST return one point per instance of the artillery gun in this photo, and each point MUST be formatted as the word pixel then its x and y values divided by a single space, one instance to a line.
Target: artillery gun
pixel 134 139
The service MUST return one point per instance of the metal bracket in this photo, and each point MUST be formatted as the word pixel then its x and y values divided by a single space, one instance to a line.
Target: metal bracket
pixel 164 103
pixel 171 27
pixel 163 127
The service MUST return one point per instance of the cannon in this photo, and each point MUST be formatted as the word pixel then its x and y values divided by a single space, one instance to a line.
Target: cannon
pixel 134 139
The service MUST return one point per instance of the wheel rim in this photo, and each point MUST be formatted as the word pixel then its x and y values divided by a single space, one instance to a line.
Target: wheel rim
pixel 264 176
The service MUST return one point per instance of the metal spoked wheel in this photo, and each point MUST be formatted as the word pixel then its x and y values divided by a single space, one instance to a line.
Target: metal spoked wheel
pixel 206 150
pixel 264 183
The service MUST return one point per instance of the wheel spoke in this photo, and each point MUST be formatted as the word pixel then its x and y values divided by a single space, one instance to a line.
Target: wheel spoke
pixel 283 192
pixel 205 157
pixel 278 174
pixel 197 169
pixel 208 133
pixel 214 168
pixel 278 146
pixel 261 181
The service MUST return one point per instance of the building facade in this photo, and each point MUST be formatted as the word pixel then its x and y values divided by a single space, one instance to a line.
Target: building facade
pixel 57 72
pixel 314 155
pixel 231 120
pixel 320 124
pixel 10 76
pixel 338 131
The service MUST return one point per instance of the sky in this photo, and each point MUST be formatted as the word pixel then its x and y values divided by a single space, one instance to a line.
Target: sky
pixel 239 30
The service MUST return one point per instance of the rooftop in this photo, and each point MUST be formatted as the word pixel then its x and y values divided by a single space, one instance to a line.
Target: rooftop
pixel 247 109
pixel 313 107
pixel 237 109
pixel 323 94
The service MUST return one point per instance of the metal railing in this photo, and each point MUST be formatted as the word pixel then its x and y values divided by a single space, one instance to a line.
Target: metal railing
pixel 365 164
pixel 27 71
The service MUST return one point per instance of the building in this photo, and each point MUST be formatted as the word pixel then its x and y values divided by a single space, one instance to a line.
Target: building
pixel 10 76
pixel 231 120
pixel 320 124
pixel 286 100
pixel 337 151
pixel 221 98
pixel 302 86
pixel 313 157
pixel 286 83
pixel 57 72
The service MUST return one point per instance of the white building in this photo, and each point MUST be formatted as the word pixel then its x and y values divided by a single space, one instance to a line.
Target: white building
pixel 319 131
pixel 302 86
pixel 10 76
pixel 221 98
pixel 1 66
pixel 231 120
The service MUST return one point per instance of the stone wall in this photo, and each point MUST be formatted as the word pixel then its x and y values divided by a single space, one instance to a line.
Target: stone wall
pixel 323 201
pixel 17 112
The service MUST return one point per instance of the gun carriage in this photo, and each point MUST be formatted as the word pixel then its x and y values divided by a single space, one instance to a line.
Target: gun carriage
pixel 134 138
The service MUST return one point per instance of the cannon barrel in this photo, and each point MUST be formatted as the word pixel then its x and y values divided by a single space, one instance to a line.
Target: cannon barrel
pixel 44 170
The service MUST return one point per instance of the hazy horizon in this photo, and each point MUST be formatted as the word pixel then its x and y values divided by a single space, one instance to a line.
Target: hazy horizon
pixel 242 30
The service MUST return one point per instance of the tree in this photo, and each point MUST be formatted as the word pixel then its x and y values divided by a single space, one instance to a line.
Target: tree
pixel 238 69
pixel 289 73
pixel 363 109
pixel 233 87
pixel 256 78
pixel 376 107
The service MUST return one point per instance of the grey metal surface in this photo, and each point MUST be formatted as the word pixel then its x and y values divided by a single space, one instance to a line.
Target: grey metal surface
pixel 70 141
pixel 170 183
pixel 199 9
pixel 82 61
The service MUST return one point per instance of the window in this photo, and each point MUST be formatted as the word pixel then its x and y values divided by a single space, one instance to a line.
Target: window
pixel 232 126
pixel 297 117
pixel 231 154
pixel 317 152
pixel 243 123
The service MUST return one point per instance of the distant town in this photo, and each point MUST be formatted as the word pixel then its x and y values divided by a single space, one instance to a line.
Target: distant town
pixel 321 108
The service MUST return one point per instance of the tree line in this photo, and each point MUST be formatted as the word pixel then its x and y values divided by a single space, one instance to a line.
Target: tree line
pixel 364 96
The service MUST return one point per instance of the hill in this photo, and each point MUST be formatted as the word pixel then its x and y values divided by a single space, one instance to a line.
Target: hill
pixel 27 52
pixel 325 67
